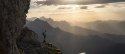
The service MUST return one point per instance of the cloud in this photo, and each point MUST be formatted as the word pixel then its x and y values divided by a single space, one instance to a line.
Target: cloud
pixel 83 7
pixel 101 6
pixel 79 2
pixel 119 4
pixel 34 5
pixel 65 8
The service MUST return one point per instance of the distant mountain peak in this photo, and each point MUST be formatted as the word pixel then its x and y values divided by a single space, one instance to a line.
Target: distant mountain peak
pixel 37 19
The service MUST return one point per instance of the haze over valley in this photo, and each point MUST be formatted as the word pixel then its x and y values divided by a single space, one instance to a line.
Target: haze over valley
pixel 62 26
pixel 76 26
pixel 77 38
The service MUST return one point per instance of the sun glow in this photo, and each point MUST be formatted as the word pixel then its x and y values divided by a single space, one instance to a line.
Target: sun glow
pixel 73 7
pixel 70 0
pixel 74 14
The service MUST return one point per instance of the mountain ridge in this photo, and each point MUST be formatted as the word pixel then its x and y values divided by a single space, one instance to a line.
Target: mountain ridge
pixel 78 43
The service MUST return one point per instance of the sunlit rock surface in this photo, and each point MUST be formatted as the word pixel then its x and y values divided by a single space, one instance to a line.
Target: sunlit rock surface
pixel 12 18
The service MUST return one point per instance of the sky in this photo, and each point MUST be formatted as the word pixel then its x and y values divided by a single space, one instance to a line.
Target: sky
pixel 78 10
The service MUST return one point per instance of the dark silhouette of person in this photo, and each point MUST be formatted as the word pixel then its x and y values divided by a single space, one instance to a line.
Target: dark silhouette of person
pixel 44 36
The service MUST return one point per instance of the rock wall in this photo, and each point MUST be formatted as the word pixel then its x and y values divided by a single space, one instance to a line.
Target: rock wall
pixel 28 43
pixel 12 18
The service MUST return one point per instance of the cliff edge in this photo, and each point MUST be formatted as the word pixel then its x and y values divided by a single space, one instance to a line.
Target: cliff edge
pixel 28 43
pixel 12 19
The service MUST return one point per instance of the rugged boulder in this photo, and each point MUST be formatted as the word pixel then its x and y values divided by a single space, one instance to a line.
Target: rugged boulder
pixel 12 18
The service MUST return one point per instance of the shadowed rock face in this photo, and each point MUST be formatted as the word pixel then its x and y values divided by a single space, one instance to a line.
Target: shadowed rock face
pixel 12 19
pixel 29 44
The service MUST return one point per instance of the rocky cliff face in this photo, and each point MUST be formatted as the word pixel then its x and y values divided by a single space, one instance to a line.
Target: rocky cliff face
pixel 12 19
pixel 28 44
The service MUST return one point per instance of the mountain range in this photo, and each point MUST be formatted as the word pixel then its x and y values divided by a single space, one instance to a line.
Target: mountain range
pixel 80 40
pixel 110 26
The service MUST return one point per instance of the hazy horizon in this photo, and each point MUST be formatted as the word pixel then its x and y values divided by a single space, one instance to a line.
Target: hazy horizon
pixel 76 13
pixel 97 24
pixel 62 27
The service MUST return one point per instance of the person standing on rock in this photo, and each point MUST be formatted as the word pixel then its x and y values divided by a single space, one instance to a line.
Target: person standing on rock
pixel 44 36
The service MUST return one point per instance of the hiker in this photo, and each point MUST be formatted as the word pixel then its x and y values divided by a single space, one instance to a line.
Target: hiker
pixel 44 36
